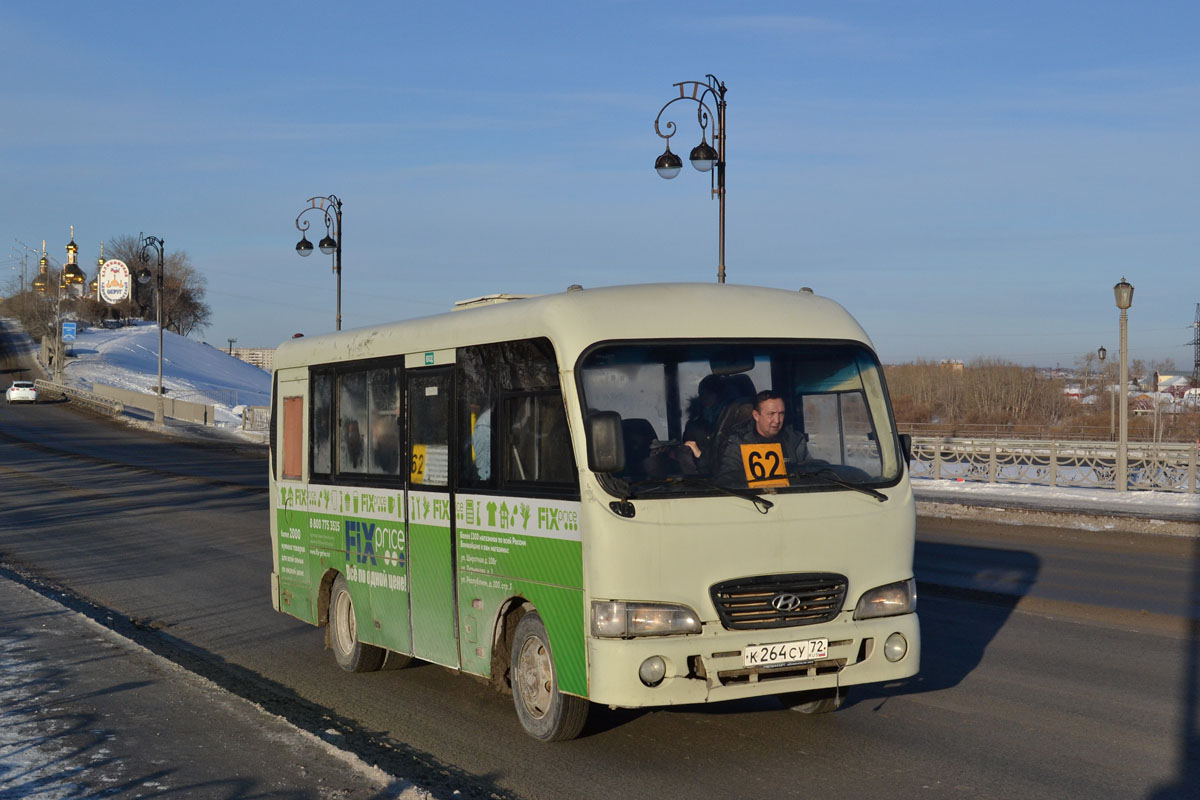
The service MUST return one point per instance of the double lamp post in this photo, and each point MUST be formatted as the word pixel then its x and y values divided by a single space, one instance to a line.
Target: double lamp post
pixel 331 208
pixel 703 156
pixel 155 244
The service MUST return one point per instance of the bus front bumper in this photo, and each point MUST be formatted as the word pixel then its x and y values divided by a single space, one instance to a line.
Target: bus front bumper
pixel 709 667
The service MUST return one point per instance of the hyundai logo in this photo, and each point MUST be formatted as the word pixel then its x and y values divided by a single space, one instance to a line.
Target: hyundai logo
pixel 785 602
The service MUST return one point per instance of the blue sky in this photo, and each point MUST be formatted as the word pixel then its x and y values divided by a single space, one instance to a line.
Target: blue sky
pixel 969 179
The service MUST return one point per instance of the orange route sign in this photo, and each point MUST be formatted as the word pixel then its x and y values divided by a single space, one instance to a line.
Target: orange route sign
pixel 764 465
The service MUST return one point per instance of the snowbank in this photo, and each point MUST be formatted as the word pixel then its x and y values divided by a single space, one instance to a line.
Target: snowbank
pixel 194 371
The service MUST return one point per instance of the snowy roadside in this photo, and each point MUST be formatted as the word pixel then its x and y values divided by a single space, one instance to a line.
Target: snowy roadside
pixel 88 713
pixel 1167 513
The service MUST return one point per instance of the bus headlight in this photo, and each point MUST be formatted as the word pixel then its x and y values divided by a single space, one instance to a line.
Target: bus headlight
pixel 888 601
pixel 617 619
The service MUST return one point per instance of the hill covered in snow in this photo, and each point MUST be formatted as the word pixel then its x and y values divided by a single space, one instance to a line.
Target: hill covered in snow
pixel 127 357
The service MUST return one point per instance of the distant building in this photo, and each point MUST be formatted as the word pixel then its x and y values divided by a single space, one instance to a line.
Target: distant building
pixel 1175 385
pixel 956 366
pixel 261 357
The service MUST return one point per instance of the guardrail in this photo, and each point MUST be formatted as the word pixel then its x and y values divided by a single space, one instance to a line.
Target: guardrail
pixel 172 407
pixel 92 400
pixel 1155 466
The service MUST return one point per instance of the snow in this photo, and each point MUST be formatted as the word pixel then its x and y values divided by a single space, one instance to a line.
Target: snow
pixel 127 357
pixel 1159 505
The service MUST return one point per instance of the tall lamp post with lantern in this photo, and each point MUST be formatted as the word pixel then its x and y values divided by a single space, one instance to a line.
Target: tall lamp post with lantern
pixel 331 208
pixel 703 156
pixel 1123 292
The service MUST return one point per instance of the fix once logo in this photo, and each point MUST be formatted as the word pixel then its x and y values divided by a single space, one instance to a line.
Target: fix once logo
pixel 360 541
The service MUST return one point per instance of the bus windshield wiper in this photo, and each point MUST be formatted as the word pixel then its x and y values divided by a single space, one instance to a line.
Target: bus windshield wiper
pixel 658 484
pixel 828 475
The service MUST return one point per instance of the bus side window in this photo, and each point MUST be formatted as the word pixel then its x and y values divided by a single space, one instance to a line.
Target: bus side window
pixel 476 401
pixel 322 407
pixel 429 427
pixel 352 422
pixel 386 394
pixel 539 445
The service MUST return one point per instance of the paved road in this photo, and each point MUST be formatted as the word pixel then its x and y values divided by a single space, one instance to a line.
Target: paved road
pixel 1041 674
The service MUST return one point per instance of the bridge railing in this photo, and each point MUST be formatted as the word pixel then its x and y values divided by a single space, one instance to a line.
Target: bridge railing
pixel 1156 466
pixel 105 405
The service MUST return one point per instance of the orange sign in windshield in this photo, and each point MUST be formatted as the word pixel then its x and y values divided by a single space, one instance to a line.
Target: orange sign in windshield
pixel 764 465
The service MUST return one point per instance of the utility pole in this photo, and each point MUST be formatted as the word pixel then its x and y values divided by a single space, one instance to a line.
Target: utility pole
pixel 1196 347
pixel 231 341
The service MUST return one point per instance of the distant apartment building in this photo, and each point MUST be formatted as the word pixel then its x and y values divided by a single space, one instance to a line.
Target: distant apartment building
pixel 261 357
pixel 952 365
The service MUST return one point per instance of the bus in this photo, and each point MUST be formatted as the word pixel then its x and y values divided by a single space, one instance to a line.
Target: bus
pixel 536 490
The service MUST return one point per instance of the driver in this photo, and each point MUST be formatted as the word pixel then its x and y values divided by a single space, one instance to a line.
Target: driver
pixel 765 426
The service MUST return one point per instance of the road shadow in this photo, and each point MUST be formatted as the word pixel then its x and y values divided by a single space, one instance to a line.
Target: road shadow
pixel 1187 785
pixel 967 595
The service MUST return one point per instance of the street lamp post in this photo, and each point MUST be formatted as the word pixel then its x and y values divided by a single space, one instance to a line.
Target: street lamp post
pixel 1112 405
pixel 703 156
pixel 154 243
pixel 1123 292
pixel 331 244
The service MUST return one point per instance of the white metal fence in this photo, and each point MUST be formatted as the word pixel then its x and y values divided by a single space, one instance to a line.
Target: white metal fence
pixel 1163 467
pixel 256 418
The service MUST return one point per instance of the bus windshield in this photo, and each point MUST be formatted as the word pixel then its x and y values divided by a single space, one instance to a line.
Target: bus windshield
pixel 690 424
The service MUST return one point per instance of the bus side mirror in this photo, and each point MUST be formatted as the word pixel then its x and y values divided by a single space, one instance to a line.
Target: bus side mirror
pixel 906 447
pixel 605 442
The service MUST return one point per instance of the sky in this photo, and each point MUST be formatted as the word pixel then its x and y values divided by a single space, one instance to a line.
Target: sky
pixel 969 179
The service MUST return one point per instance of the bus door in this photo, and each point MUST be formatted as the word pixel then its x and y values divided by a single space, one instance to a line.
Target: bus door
pixel 430 516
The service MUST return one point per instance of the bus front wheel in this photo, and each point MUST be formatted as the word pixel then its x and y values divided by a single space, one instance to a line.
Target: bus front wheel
pixel 545 713
pixel 351 654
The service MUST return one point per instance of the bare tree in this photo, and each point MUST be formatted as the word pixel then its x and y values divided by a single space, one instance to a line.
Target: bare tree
pixel 184 306
pixel 1086 364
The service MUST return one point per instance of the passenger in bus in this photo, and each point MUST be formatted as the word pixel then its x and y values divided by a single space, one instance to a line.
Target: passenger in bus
pixel 765 426
pixel 481 443
pixel 385 445
pixel 352 445
pixel 720 403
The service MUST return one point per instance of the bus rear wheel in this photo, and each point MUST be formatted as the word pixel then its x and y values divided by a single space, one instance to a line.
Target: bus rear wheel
pixel 544 711
pixel 351 654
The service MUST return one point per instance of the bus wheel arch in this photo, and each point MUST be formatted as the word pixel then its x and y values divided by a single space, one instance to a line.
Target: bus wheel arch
pixel 503 631
pixel 324 590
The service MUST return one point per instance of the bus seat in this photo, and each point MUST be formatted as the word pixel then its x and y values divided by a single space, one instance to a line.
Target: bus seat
pixel 739 387
pixel 740 407
pixel 639 435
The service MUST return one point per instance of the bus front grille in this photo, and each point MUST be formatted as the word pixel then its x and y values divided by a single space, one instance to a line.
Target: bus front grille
pixel 779 601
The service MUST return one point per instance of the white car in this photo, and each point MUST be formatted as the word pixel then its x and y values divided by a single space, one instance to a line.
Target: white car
pixel 21 392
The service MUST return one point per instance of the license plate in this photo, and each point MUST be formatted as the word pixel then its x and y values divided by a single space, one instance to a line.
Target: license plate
pixel 773 655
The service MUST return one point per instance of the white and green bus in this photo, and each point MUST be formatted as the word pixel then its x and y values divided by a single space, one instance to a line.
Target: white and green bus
pixel 536 491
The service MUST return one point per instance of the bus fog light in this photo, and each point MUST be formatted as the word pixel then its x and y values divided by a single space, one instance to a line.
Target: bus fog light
pixel 896 647
pixel 652 671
